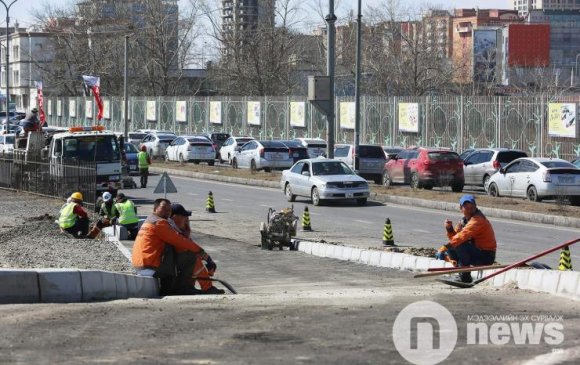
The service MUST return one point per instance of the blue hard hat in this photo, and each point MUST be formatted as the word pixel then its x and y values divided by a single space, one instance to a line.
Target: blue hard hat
pixel 467 198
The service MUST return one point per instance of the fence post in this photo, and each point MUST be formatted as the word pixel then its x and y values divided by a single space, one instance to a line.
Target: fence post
pixel 498 125
pixel 461 121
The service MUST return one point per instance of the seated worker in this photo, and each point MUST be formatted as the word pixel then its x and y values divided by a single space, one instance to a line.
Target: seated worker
pixel 108 215
pixel 127 215
pixel 73 218
pixel 30 123
pixel 473 243
pixel 153 252
pixel 201 271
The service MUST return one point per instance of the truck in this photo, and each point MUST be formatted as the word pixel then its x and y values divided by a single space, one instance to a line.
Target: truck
pixel 81 158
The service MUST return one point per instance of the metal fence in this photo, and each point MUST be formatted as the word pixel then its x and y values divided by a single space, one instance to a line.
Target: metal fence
pixel 38 177
pixel 458 122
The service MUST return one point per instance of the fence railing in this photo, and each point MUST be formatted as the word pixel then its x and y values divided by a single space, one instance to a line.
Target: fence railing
pixel 458 122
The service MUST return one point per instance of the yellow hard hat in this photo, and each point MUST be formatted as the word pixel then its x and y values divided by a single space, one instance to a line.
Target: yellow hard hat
pixel 77 196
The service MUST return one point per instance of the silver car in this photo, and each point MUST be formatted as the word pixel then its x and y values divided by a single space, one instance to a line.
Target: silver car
pixel 481 163
pixel 321 179
pixel 369 161
pixel 262 155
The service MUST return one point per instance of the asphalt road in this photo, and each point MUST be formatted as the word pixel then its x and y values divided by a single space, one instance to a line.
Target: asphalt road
pixel 292 308
pixel 245 206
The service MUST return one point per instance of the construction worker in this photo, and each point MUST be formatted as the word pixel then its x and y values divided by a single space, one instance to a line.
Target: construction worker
pixel 143 161
pixel 73 218
pixel 127 215
pixel 154 254
pixel 204 267
pixel 30 123
pixel 473 241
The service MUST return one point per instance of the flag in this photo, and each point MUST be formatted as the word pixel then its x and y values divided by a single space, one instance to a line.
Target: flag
pixel 40 103
pixel 94 82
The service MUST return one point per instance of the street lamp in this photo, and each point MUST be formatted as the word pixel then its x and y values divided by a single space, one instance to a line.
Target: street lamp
pixel 576 68
pixel 7 54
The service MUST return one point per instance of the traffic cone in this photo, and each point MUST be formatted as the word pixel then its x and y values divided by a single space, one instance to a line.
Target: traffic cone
pixel 209 206
pixel 565 259
pixel 306 220
pixel 388 234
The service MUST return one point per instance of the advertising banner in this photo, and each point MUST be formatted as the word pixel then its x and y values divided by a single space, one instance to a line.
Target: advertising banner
pixel 181 111
pixel 49 107
pixel 347 115
pixel 484 54
pixel 107 109
pixel 298 114
pixel 254 112
pixel 89 109
pixel 151 110
pixel 409 117
pixel 72 108
pixel 562 120
pixel 215 112
pixel 59 108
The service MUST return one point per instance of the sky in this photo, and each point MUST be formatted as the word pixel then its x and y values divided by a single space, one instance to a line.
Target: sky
pixel 21 9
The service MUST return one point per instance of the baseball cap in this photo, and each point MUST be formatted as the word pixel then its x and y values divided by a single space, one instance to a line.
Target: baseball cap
pixel 180 210
pixel 467 198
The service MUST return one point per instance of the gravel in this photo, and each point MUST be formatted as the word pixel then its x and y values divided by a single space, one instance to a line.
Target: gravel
pixel 30 238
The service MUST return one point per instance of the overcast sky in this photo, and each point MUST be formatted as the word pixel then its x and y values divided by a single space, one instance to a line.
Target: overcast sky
pixel 21 9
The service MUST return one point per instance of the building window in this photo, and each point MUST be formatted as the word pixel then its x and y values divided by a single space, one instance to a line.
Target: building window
pixel 16 53
pixel 3 78
pixel 15 77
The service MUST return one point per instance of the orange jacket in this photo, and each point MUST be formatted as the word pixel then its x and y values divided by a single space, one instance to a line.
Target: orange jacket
pixel 478 229
pixel 151 240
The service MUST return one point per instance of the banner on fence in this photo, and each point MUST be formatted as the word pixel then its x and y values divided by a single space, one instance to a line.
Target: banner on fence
pixel 347 115
pixel 151 110
pixel 181 111
pixel 409 117
pixel 254 108
pixel 215 112
pixel 297 114
pixel 72 108
pixel 89 109
pixel 59 108
pixel 562 120
pixel 107 109
pixel 49 107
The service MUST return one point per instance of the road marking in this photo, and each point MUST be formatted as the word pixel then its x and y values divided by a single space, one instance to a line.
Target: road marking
pixel 361 221
pixel 193 194
pixel 266 206
pixel 420 230
pixel 313 213
pixel 227 200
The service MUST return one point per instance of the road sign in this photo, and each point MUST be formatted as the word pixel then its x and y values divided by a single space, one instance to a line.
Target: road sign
pixel 165 185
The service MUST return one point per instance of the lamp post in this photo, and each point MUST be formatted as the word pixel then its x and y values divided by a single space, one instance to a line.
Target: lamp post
pixel 7 55
pixel 576 68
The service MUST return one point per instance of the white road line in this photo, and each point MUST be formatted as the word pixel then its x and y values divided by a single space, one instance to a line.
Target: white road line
pixel 361 221
pixel 314 213
pixel 227 200
pixel 193 194
pixel 266 206
pixel 228 184
pixel 420 230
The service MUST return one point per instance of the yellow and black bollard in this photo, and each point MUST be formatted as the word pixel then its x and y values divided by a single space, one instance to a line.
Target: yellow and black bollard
pixel 388 239
pixel 209 205
pixel 565 259
pixel 306 220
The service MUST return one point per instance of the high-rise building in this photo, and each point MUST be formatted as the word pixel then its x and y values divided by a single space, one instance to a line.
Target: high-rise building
pixel 243 15
pixel 525 6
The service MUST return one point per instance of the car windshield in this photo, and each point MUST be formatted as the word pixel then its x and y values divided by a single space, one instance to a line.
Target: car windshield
pixel 443 156
pixel 199 140
pixel 331 168
pixel 555 164
pixel 92 148
pixel 9 140
pixel 241 141
pixel 138 136
pixel 131 148
pixel 509 156
pixel 221 137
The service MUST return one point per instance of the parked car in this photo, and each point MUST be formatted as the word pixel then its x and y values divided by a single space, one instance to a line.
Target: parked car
pixel 191 148
pixel 463 155
pixel 262 155
pixel 296 150
pixel 9 128
pixel 484 162
pixel 392 151
pixel 537 178
pixel 316 146
pixel 576 162
pixel 130 152
pixel 7 143
pixel 228 149
pixel 323 179
pixel 425 168
pixel 369 160
pixel 136 137
pixel 157 143
pixel 218 140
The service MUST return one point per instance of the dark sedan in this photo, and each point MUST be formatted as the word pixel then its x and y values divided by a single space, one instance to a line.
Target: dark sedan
pixel 130 157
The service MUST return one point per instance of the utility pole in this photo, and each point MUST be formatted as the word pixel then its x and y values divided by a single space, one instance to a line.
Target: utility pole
pixel 125 96
pixel 7 55
pixel 330 62
pixel 357 81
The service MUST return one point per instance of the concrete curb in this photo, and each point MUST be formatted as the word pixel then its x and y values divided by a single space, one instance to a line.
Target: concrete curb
pixel 383 198
pixel 561 283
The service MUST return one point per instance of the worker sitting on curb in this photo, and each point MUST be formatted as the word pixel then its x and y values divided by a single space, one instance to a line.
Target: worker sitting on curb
pixel 201 271
pixel 127 215
pixel 108 215
pixel 474 242
pixel 73 218
pixel 153 252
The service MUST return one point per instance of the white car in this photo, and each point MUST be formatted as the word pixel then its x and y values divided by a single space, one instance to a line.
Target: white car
pixel 262 155
pixel 157 143
pixel 537 178
pixel 191 148
pixel 228 149
pixel 7 143
pixel 316 146
pixel 321 179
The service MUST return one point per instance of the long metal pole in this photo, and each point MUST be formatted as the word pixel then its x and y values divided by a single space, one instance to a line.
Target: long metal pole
pixel 125 101
pixel 7 54
pixel 357 80
pixel 330 61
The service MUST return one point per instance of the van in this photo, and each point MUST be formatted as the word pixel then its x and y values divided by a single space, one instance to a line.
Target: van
pixel 369 160
pixel 316 146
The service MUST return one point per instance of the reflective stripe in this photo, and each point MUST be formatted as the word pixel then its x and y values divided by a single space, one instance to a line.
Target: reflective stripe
pixel 142 158
pixel 67 217
pixel 127 212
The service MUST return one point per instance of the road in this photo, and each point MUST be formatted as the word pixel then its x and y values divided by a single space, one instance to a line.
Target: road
pixel 242 207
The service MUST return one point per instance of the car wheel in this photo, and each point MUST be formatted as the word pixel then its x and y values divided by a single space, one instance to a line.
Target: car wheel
pixel 361 201
pixel 457 188
pixel 211 163
pixel 219 157
pixel 234 163
pixel 253 167
pixel 181 158
pixel 288 191
pixel 166 157
pixel 196 162
pixel 575 200
pixel 267 169
pixel 415 181
pixel 485 181
pixel 532 194
pixel 316 197
pixel 428 186
pixel 387 181
pixel 229 159
pixel 493 190
pixel 151 154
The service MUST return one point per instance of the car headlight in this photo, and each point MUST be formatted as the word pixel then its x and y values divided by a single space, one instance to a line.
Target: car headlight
pixel 322 186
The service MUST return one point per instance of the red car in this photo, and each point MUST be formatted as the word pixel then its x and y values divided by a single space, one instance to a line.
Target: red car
pixel 425 168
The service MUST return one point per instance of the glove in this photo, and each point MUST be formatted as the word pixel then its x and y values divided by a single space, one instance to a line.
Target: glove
pixel 114 221
pixel 440 255
pixel 210 264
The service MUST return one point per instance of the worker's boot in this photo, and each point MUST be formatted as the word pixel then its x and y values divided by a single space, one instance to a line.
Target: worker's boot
pixel 464 277
pixel 213 290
